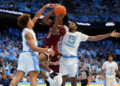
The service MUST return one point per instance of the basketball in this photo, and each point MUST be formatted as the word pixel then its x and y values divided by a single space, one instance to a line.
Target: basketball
pixel 60 10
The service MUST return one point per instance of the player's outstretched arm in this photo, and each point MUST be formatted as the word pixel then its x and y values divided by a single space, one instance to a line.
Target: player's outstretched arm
pixel 30 41
pixel 46 19
pixel 101 37
pixel 39 13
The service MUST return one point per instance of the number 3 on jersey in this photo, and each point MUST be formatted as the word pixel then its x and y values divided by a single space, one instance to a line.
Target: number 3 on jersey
pixel 72 40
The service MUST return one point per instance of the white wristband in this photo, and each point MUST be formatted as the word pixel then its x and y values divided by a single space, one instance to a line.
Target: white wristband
pixel 51 71
pixel 49 50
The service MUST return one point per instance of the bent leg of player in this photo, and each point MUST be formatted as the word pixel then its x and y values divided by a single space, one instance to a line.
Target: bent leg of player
pixel 42 58
pixel 18 77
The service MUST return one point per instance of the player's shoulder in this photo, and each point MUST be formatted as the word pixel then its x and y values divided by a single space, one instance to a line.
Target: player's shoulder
pixel 106 62
pixel 27 30
pixel 114 62
pixel 79 33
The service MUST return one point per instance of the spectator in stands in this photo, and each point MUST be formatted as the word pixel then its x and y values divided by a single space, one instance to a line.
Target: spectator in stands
pixel 2 54
pixel 4 80
pixel 10 78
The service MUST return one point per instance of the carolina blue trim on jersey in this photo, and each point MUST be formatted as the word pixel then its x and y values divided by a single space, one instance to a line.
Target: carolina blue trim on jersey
pixel 69 56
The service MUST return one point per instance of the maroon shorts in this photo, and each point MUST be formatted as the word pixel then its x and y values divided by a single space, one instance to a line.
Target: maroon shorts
pixel 55 58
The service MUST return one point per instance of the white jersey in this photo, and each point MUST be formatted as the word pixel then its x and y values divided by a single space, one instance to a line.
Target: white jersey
pixel 25 44
pixel 110 69
pixel 71 41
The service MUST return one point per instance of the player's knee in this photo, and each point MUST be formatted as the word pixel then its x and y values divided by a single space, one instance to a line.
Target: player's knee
pixel 43 57
pixel 33 75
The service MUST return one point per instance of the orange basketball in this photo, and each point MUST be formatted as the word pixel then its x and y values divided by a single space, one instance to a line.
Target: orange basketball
pixel 60 10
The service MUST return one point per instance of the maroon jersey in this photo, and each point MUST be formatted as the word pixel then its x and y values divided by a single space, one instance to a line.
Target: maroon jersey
pixel 52 40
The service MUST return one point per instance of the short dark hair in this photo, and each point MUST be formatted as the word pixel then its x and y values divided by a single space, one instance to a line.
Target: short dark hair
pixel 110 54
pixel 23 20
pixel 65 20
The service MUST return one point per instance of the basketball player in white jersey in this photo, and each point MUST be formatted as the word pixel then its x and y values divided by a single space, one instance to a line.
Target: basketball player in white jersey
pixel 28 60
pixel 110 68
pixel 69 47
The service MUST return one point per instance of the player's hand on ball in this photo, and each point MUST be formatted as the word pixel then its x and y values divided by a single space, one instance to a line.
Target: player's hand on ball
pixel 115 34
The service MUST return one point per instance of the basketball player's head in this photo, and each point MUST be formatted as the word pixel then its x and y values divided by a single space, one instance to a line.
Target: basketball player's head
pixel 64 21
pixel 25 21
pixel 110 57
pixel 72 26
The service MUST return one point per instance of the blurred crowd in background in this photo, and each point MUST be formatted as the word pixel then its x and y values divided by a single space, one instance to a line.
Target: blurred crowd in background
pixel 91 54
pixel 82 10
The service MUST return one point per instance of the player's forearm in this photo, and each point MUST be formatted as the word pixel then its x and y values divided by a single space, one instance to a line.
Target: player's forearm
pixel 38 14
pixel 38 49
pixel 99 37
pixel 47 16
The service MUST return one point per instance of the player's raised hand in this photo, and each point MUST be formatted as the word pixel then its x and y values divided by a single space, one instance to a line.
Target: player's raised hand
pixel 48 6
pixel 51 5
pixel 115 34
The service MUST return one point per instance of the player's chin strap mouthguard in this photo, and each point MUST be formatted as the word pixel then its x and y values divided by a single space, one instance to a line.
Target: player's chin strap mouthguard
pixel 47 55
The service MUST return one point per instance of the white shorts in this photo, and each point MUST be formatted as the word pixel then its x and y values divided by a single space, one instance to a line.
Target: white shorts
pixel 27 62
pixel 110 82
pixel 68 66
